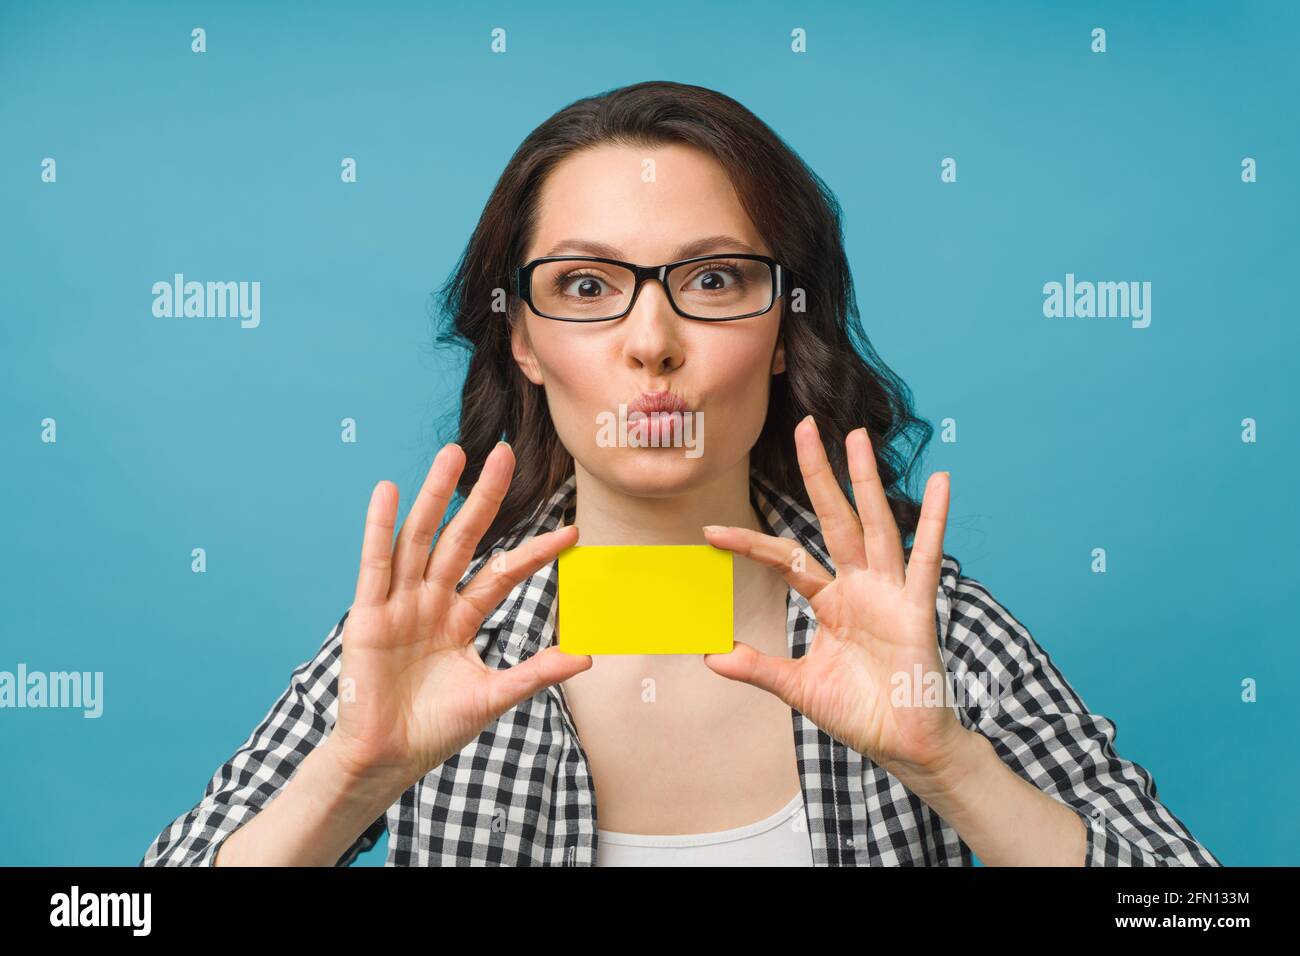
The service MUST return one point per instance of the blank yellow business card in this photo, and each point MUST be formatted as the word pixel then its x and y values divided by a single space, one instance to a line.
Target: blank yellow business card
pixel 645 599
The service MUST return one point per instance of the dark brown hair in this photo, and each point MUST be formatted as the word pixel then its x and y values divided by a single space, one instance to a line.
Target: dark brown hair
pixel 832 372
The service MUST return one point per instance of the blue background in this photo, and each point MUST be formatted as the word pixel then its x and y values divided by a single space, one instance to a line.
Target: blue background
pixel 1073 433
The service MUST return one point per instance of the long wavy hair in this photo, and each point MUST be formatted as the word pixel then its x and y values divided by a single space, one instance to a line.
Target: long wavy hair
pixel 832 372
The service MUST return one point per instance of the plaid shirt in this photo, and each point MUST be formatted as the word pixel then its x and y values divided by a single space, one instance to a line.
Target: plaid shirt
pixel 522 792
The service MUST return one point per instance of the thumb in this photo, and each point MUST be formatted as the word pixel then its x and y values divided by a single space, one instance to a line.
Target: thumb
pixel 509 687
pixel 776 675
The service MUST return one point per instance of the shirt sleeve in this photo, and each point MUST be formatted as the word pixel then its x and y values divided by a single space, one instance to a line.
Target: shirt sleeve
pixel 300 720
pixel 1041 728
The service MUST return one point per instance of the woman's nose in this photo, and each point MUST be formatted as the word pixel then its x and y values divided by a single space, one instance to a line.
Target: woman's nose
pixel 651 330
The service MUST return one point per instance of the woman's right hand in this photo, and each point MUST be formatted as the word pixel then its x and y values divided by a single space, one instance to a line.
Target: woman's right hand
pixel 412 688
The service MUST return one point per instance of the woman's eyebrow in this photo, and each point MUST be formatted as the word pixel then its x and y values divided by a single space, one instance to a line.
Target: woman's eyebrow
pixel 697 247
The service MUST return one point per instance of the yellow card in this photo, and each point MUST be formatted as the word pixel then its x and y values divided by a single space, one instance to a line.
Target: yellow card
pixel 645 599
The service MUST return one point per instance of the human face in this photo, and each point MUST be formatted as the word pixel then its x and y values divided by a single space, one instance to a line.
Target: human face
pixel 721 370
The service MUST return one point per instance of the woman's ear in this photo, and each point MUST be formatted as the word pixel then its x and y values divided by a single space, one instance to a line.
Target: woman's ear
pixel 522 350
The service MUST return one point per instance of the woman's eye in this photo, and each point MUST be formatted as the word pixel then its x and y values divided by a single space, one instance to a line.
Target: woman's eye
pixel 714 279
pixel 582 287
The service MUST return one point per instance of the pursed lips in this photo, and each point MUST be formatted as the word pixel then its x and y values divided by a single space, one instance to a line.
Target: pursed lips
pixel 648 403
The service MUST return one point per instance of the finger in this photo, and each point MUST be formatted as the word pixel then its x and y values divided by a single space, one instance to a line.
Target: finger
pixel 883 544
pixel 840 528
pixel 776 675
pixel 411 556
pixel 926 562
pixel 800 570
pixel 460 537
pixel 497 578
pixel 509 687
pixel 377 546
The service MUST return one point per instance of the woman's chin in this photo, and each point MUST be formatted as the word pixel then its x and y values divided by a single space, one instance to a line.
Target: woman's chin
pixel 651 472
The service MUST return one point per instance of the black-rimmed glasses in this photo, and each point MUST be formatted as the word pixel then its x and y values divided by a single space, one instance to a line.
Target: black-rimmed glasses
pixel 717 288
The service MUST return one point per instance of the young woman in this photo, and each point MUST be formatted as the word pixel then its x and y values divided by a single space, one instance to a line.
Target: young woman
pixel 659 247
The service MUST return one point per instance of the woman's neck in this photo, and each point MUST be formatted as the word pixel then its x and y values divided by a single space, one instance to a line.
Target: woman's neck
pixel 607 516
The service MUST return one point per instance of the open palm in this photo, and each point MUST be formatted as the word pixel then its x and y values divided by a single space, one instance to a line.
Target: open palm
pixel 412 687
pixel 875 616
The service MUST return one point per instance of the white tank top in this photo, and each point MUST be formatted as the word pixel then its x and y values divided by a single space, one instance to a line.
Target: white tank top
pixel 779 840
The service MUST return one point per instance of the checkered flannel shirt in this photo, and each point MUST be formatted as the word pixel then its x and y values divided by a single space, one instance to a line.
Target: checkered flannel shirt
pixel 522 794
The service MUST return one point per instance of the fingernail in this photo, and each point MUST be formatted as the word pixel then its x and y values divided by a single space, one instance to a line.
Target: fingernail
pixel 506 443
pixel 713 527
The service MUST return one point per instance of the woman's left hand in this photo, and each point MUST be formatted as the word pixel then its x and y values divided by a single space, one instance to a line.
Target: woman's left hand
pixel 875 620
